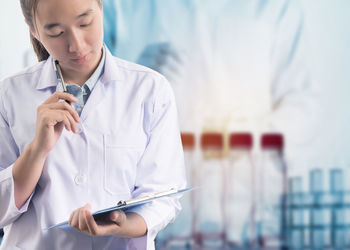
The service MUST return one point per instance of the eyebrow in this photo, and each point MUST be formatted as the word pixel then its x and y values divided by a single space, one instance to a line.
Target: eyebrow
pixel 86 13
pixel 52 25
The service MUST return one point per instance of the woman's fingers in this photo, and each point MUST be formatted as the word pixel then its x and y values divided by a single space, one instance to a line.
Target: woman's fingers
pixel 60 112
pixel 69 121
pixel 77 220
pixel 82 225
pixel 91 224
pixel 117 217
pixel 54 103
pixel 65 106
pixel 73 220
pixel 60 96
pixel 83 221
pixel 54 117
pixel 62 117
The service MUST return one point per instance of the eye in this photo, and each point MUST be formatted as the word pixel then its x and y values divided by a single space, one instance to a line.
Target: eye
pixel 85 25
pixel 54 36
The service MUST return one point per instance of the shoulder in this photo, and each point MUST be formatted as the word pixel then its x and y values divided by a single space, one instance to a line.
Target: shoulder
pixel 26 77
pixel 139 77
pixel 117 69
pixel 130 68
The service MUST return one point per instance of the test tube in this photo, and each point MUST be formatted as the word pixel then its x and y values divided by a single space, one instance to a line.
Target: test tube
pixel 338 228
pixel 296 214
pixel 316 210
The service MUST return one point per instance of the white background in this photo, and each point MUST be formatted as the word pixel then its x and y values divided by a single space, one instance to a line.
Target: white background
pixel 328 33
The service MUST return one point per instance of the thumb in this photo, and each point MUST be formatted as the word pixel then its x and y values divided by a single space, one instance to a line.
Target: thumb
pixel 117 217
pixel 114 216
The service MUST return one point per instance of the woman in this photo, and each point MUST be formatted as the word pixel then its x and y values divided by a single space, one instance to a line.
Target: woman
pixel 120 141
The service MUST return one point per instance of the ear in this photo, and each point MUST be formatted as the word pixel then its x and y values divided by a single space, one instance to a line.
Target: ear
pixel 34 33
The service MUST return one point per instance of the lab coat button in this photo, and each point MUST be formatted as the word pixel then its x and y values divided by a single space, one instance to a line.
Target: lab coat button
pixel 79 179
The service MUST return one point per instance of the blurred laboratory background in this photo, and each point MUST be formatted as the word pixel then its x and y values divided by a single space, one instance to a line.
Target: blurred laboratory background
pixel 262 89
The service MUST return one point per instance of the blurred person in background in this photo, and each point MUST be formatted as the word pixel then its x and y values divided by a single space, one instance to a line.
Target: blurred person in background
pixel 233 65
pixel 228 61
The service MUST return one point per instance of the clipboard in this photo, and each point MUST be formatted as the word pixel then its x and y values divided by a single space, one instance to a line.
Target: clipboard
pixel 123 205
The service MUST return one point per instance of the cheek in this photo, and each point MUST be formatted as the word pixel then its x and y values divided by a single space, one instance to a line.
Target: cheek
pixel 55 47
pixel 96 35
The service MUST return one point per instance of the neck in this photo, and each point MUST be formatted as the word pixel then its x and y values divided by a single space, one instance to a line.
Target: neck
pixel 77 77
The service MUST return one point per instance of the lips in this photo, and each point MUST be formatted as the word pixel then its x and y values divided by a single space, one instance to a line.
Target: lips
pixel 80 59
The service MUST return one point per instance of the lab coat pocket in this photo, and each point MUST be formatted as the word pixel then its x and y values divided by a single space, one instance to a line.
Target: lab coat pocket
pixel 122 153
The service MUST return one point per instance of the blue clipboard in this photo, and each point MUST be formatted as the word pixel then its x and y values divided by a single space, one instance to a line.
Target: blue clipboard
pixel 123 205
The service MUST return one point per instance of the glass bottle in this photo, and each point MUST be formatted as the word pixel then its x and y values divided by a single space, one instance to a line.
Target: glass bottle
pixel 209 196
pixel 240 192
pixel 271 193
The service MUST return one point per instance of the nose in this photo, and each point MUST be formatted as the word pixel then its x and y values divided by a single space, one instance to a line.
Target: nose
pixel 75 42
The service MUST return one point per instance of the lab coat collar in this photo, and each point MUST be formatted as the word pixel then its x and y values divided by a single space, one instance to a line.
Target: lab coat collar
pixel 48 76
pixel 111 72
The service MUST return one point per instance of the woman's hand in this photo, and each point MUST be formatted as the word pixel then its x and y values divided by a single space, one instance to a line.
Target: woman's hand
pixel 115 223
pixel 83 221
pixel 52 116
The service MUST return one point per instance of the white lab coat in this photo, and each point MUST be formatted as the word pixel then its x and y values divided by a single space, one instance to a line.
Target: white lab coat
pixel 129 144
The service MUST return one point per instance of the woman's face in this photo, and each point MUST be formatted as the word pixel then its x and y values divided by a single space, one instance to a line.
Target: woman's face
pixel 72 32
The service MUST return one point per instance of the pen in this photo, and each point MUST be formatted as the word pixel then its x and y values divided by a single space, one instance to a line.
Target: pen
pixel 60 77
